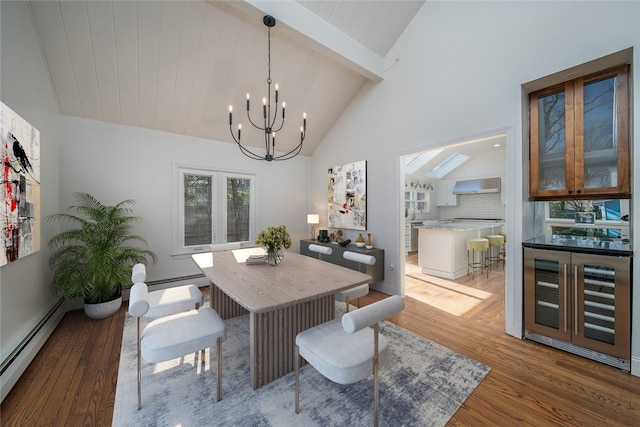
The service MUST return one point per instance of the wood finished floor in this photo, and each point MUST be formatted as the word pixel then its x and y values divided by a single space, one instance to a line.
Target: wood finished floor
pixel 72 381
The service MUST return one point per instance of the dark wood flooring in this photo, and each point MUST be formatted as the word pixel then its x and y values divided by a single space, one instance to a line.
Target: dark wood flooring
pixel 72 381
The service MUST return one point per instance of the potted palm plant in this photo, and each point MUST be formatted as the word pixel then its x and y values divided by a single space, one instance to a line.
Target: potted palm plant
pixel 94 261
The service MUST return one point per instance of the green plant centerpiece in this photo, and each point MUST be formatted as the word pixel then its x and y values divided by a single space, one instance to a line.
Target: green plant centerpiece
pixel 95 260
pixel 273 239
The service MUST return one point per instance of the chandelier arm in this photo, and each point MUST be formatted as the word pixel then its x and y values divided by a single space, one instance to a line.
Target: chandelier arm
pixel 244 150
pixel 275 117
pixel 284 156
pixel 250 153
pixel 274 122
pixel 254 125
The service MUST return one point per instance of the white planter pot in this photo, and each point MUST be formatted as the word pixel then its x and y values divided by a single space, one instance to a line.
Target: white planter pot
pixel 103 310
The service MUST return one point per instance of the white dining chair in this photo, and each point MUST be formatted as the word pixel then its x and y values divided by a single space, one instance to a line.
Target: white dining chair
pixel 348 294
pixel 321 250
pixel 164 302
pixel 358 291
pixel 347 350
pixel 174 336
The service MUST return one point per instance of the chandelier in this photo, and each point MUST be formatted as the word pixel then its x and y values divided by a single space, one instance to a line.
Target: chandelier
pixel 269 117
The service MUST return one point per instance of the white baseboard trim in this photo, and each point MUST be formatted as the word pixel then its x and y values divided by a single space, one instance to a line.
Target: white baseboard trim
pixel 635 366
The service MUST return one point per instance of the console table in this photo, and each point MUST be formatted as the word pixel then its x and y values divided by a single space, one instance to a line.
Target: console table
pixel 376 271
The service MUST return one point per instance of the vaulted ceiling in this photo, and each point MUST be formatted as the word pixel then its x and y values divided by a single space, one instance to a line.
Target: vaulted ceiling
pixel 176 66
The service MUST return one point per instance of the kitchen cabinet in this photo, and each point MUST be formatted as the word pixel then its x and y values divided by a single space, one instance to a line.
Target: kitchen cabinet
pixel 579 302
pixel 579 138
pixel 416 201
pixel 444 194
pixel 407 237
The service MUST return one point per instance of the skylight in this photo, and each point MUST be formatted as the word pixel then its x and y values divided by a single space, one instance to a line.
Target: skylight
pixel 445 167
pixel 414 162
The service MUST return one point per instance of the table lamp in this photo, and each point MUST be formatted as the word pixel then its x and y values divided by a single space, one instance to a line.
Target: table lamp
pixel 313 219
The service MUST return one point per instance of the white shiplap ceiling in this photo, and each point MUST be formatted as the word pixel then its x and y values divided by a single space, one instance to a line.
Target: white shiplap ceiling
pixel 175 66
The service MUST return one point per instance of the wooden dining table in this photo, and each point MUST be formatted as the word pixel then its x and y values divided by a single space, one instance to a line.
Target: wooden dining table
pixel 281 301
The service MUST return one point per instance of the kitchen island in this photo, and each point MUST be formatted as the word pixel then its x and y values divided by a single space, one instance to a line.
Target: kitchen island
pixel 442 247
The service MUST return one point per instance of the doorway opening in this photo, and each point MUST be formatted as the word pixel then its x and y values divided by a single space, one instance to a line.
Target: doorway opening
pixel 429 178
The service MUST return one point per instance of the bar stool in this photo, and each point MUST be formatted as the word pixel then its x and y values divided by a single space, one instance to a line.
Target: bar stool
pixel 503 250
pixel 480 245
pixel 496 245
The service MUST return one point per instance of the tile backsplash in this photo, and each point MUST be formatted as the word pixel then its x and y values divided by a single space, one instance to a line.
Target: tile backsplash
pixel 475 206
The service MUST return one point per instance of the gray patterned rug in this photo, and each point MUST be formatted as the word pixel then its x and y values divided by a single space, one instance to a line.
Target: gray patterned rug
pixel 423 384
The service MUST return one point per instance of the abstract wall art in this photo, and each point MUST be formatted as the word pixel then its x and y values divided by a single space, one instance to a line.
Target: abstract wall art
pixel 348 196
pixel 20 187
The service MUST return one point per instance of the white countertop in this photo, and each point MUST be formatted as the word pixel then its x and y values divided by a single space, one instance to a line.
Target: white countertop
pixel 462 226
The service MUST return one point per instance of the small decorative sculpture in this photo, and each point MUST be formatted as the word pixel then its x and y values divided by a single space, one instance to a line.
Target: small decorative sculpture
pixel 369 244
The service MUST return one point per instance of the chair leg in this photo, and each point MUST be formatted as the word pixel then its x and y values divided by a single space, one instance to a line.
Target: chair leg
pixel 219 359
pixel 347 302
pixel 375 374
pixel 296 365
pixel 139 370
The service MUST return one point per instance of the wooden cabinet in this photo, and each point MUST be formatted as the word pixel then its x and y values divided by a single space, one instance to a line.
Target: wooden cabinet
pixel 579 138
pixel 579 299
pixel 376 271
pixel 444 194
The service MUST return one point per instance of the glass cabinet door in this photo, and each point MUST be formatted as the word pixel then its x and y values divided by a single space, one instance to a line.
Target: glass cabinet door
pixel 546 293
pixel 551 153
pixel 579 138
pixel 602 304
pixel 554 169
pixel 602 150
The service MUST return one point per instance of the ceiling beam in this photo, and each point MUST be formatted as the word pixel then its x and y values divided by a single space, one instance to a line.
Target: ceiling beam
pixel 317 34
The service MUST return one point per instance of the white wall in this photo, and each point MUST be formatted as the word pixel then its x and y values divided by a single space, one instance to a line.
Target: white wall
pixel 115 162
pixel 24 87
pixel 455 74
pixel 490 164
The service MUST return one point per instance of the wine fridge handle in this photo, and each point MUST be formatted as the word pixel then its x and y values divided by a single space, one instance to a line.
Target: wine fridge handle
pixel 565 284
pixel 575 299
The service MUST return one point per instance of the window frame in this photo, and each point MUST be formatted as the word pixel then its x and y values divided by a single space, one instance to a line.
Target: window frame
pixel 219 179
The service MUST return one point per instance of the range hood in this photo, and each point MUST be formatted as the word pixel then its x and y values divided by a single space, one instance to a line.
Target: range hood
pixel 477 186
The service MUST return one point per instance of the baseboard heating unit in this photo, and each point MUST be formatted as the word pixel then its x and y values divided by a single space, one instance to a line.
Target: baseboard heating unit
pixel 580 351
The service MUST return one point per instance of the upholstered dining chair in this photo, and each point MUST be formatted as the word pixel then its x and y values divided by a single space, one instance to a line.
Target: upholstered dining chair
pixel 358 291
pixel 347 350
pixel 168 301
pixel 174 336
pixel 165 302
pixel 348 294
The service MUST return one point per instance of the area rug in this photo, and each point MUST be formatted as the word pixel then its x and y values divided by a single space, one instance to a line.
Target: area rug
pixel 423 384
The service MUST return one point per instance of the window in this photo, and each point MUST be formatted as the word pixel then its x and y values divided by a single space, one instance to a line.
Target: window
pixel 610 217
pixel 213 209
pixel 448 165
